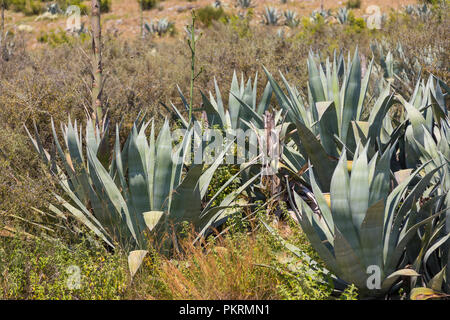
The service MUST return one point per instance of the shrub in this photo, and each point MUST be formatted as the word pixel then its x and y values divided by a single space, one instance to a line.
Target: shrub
pixel 355 25
pixel 353 4
pixel 105 6
pixel 148 4
pixel 60 37
pixel 28 7
pixel 38 269
pixel 208 14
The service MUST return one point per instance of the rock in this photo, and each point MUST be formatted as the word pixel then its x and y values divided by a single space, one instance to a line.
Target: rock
pixel 24 28
pixel 184 8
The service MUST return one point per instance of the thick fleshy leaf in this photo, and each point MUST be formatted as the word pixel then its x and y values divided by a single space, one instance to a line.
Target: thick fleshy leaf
pixel 340 204
pixel 323 167
pixel 152 218
pixel 359 190
pixel 351 267
pixel 371 234
pixel 135 259
pixel 163 168
pixel 351 96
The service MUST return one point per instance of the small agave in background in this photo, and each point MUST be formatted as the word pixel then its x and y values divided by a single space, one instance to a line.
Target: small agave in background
pixel 342 15
pixel 159 27
pixel 244 4
pixel 290 18
pixel 270 16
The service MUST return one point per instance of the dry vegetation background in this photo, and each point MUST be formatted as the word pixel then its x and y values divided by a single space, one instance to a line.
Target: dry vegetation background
pixel 41 81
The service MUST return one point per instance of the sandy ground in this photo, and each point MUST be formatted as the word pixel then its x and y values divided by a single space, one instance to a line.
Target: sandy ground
pixel 124 16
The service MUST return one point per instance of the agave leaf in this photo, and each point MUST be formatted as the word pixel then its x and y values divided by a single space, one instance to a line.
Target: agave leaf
pixel 397 250
pixel 328 124
pixel 379 113
pixel 351 267
pixel 322 203
pixel 351 96
pixel 220 108
pixel 439 108
pixel 297 108
pixel 392 203
pixel 135 259
pixel 315 82
pixel 434 247
pixel 233 104
pixel 83 219
pixel 424 294
pixel 340 204
pixel 152 218
pixel 249 114
pixel 380 181
pixel 437 281
pixel 304 216
pixel 359 190
pixel 163 168
pixel 212 113
pixel 282 99
pixel 371 234
pixel 393 277
pixel 184 122
pixel 364 86
pixel 322 165
pixel 211 214
pixel 265 99
pixel 116 204
pixel 186 202
pixel 137 177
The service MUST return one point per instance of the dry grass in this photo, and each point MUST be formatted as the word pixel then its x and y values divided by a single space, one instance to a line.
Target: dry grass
pixel 229 271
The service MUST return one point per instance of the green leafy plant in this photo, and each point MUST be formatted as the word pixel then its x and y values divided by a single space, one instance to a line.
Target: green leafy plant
pixel 342 15
pixel 270 16
pixel 353 4
pixel 28 7
pixel 364 226
pixel 291 18
pixel 208 14
pixel 141 190
pixel 148 4
pixel 242 110
pixel 244 4
pixel 160 27
pixel 105 6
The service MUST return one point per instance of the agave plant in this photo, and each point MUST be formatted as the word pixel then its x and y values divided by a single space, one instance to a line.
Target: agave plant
pixel 342 15
pixel 140 188
pixel 427 116
pixel 422 11
pixel 427 140
pixel 244 4
pixel 367 225
pixel 290 18
pixel 270 16
pixel 159 27
pixel 243 108
pixel 396 68
pixel 321 13
pixel 335 114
